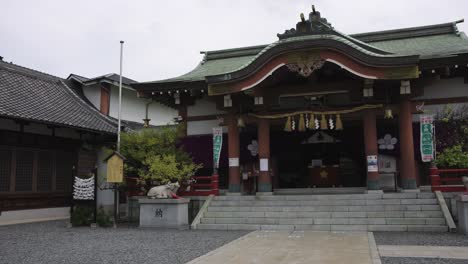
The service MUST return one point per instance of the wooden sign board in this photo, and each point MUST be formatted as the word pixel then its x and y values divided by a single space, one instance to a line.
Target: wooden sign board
pixel 115 168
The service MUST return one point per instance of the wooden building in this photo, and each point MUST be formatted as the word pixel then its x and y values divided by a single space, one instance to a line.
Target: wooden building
pixel 317 103
pixel 48 133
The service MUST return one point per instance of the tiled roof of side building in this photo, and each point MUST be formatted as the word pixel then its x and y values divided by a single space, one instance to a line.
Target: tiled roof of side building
pixel 427 42
pixel 30 95
pixel 113 77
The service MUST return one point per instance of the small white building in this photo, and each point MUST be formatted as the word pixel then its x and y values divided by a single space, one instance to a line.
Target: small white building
pixel 103 93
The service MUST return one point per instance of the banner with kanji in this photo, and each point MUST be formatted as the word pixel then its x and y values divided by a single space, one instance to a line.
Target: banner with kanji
pixel 427 138
pixel 217 145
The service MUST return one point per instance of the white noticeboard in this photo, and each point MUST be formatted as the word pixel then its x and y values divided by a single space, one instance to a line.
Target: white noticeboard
pixel 263 164
pixel 233 162
pixel 372 165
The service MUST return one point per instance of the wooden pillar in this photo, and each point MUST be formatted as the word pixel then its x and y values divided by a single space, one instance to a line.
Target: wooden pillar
pixel 407 164
pixel 264 180
pixel 370 142
pixel 233 154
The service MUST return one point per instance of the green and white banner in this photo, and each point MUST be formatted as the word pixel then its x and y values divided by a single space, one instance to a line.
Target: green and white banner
pixel 427 137
pixel 217 145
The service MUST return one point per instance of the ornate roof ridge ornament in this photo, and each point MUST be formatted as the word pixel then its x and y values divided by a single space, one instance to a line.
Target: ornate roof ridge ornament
pixel 314 25
pixel 305 63
pixel 305 69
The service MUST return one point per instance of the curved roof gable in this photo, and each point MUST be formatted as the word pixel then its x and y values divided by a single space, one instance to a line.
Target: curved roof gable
pixel 389 48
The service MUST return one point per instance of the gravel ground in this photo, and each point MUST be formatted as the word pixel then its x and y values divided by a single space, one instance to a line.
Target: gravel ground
pixel 421 239
pixel 422 261
pixel 53 242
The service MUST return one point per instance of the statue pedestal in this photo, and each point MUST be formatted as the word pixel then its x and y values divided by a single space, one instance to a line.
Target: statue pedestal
pixel 165 213
pixel 462 210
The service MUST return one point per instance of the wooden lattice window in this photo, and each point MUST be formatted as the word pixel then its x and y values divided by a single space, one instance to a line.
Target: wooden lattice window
pixel 24 170
pixel 5 170
pixel 64 170
pixel 45 171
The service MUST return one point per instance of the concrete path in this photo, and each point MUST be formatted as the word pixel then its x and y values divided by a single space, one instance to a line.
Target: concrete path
pixel 424 252
pixel 296 247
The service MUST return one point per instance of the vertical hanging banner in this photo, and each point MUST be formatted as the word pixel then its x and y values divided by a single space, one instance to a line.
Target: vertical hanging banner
pixel 427 137
pixel 217 145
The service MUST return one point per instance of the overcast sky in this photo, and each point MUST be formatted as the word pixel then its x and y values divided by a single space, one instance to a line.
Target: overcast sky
pixel 163 38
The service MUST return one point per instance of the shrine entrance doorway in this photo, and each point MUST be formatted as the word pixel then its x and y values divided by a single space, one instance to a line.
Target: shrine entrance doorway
pixel 318 158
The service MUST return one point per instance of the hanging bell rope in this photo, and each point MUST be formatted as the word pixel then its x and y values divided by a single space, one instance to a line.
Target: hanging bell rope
pixel 339 123
pixel 287 126
pixel 301 126
pixel 344 111
pixel 323 123
pixel 313 126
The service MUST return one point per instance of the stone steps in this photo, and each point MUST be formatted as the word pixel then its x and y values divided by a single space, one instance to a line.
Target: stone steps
pixel 339 212
pixel 322 208
pixel 324 221
pixel 394 228
pixel 327 202
pixel 327 197
pixel 385 214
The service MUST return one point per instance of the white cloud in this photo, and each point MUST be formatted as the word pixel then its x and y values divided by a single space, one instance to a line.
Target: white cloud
pixel 163 38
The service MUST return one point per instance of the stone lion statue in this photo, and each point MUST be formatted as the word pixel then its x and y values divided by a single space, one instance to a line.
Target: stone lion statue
pixel 168 190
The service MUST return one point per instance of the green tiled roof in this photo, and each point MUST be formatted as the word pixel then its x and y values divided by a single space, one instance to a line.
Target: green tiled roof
pixel 428 46
pixel 211 67
pixel 428 42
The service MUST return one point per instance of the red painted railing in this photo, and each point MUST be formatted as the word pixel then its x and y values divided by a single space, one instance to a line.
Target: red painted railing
pixel 201 186
pixel 447 180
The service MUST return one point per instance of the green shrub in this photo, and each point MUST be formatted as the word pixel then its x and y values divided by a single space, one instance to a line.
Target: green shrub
pixel 452 157
pixel 82 215
pixel 103 219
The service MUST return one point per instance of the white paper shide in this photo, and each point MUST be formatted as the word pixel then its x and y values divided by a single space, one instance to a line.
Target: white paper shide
pixel 83 189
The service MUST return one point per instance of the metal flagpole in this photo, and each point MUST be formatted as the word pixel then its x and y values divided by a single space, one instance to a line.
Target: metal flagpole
pixel 120 97
pixel 116 190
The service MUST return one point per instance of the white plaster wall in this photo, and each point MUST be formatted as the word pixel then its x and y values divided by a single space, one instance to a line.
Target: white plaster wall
pixel 8 124
pixel 40 129
pixel 202 127
pixel 161 114
pixel 93 93
pixel 445 88
pixel 134 108
pixel 202 107
pixel 105 197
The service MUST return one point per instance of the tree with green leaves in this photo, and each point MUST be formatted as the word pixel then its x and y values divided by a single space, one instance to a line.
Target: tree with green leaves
pixel 155 155
pixel 452 137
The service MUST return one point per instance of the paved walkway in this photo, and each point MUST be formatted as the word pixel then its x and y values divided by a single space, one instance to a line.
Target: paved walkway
pixel 424 252
pixel 296 247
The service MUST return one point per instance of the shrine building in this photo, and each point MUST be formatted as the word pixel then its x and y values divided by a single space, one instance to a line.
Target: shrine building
pixel 318 108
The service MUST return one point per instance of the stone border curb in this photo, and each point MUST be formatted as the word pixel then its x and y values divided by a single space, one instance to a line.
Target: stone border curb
pixel 448 217
pixel 36 220
pixel 374 252
pixel 436 252
pixel 201 212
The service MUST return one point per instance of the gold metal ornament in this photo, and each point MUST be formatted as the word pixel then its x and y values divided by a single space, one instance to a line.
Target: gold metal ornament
pixel 388 113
